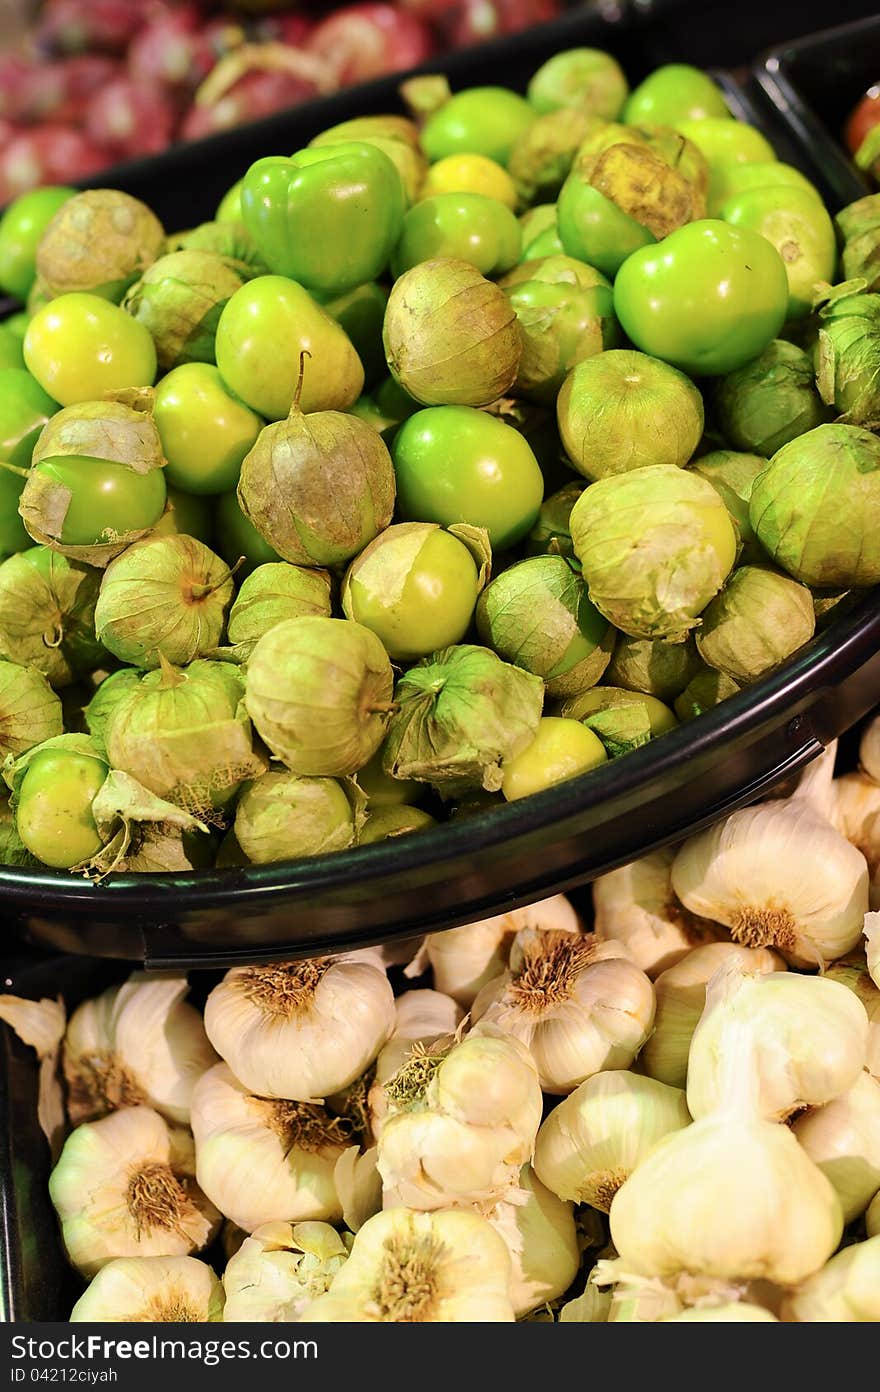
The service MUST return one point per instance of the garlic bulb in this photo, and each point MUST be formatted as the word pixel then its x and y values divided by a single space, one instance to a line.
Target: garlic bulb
pixel 594 1139
pixel 815 783
pixel 732 1198
pixel 777 875
pixel 539 1232
pixel 462 1121
pixel 856 815
pixel 852 972
pixel 637 1299
pixel 464 959
pixel 872 946
pixel 262 1160
pixel 807 1038
pixel 593 1307
pixel 869 749
pixel 636 905
pixel 680 993
pixel 124 1186
pixel 577 1004
pixel 416 1268
pixel 872 1216
pixel 843 1139
pixel 151 1290
pixel 359 1186
pixel 300 1030
pixel 280 1270
pixel 420 1017
pixel 845 1291
pixel 138 1042
pixel 735 1311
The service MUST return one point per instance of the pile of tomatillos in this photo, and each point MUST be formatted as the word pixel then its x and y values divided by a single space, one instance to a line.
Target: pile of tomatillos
pixel 457 455
pixel 674 1116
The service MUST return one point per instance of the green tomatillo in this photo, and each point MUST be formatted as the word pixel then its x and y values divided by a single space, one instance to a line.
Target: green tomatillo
pixel 205 432
pixel 561 749
pixel 464 226
pixel 566 313
pixel 21 227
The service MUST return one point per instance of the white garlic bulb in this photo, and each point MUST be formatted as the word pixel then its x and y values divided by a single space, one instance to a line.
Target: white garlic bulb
pixel 261 1159
pixel 578 1005
pixel 777 875
pixel 843 1139
pixel 151 1290
pixel 680 994
pixel 462 1121
pixel 736 1311
pixel 140 1042
pixel 845 1291
pixel 279 1270
pixel 539 1232
pixel 464 959
pixel 872 946
pixel 420 1017
pixel 815 783
pixel 300 1030
pixel 872 1216
pixel 125 1186
pixel 869 749
pixel 807 1038
pixel 593 1307
pixel 594 1139
pixel 852 972
pixel 856 815
pixel 636 905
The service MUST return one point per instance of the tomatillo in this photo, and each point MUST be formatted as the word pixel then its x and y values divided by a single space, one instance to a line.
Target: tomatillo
pixel 481 121
pixel 205 432
pixel 458 464
pixel 800 229
pixel 80 346
pixel 21 228
pixel 707 299
pixel 361 313
pixel 11 350
pixel 676 92
pixel 592 228
pixel 730 179
pixel 24 410
pixel 470 174
pixel 561 749
pixel 327 217
pixel 54 813
pixel 105 499
pixel 237 537
pixel 465 226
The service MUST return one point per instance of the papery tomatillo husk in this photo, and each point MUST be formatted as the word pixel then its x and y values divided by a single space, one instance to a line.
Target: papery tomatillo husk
pixel 186 736
pixel 537 614
pixel 100 241
pixel 165 596
pixel 636 906
pixel 13 851
pixel 280 1269
pixel 459 714
pixel 539 1232
pixel 272 593
pixel 451 337
pixel 770 401
pixel 843 1139
pixel 758 620
pixel 319 693
pixel 845 1291
pixel 705 690
pixel 30 712
pixel 282 816
pixel 652 667
pixel 105 700
pixel 733 476
pixel 230 240
pixel 542 156
pixel 655 545
pixel 565 311
pixel 164 1290
pixel 848 354
pixel 859 227
pixel 551 535
pixel 388 822
pixel 47 607
pixel 623 720
pixel 180 298
pixel 318 488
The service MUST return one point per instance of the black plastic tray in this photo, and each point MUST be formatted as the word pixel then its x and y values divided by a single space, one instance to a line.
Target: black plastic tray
pixel 516 853
pixel 815 83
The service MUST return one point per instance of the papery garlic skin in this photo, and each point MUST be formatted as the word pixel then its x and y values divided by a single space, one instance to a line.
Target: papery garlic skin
pixel 852 972
pixel 539 1232
pixel 736 1311
pixel 843 1139
pixel 680 994
pixel 420 1017
pixel 593 1307
pixel 869 749
pixel 464 959
pixel 594 1139
pixel 147 1290
pixel 300 1031
pixel 125 1186
pixel 845 1291
pixel 856 815
pixel 140 1042
pixel 636 905
pixel 872 946
pixel 809 1038
pixel 462 1122
pixel 578 1005
pixel 872 1216
pixel 730 1198
pixel 415 1268
pixel 777 875
pixel 280 1270
pixel 359 1186
pixel 262 1160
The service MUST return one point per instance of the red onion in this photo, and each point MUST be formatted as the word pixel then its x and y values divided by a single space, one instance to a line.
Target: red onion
pixel 171 52
pixel 256 80
pixel 48 154
pixel 89 26
pixel 291 29
pixel 58 91
pixel 128 118
pixel 467 22
pixel 367 40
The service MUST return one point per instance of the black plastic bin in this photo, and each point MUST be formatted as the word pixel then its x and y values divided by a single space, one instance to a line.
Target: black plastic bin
pixel 814 83
pixel 516 853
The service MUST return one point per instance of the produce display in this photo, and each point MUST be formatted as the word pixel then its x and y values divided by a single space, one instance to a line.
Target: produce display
pixel 673 1115
pixel 457 456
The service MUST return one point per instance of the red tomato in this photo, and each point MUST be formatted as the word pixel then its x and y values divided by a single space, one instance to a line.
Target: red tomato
pixel 865 117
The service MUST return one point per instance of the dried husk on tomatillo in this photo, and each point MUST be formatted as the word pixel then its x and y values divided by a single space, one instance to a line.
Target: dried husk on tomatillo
pixel 100 708
pixel 282 816
pixel 769 401
pixel 143 833
pixel 537 614
pixel 451 337
pixel 121 432
pixel 565 311
pixel 705 690
pixel 460 714
pixel 228 239
pixel 318 488
pixel 848 354
pixel 186 736
pixel 859 227
pixel 319 693
pixel 99 241
pixel 47 609
pixel 551 534
pixel 759 619
pixel 650 666
pixel 272 593
pixel 733 474
pixel 541 158
pixel 180 300
pixel 644 185
pixel 30 712
pixel 164 596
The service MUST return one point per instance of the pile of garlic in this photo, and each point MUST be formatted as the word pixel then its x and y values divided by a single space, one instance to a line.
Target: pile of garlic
pixel 673 1116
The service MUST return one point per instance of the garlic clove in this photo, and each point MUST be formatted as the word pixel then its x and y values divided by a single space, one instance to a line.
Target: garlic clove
pixel 846 1290
pixel 856 815
pixel 539 1232
pixel 872 946
pixel 843 1139
pixel 852 972
pixel 280 1269
pixel 464 959
pixel 161 1290
pixel 636 905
